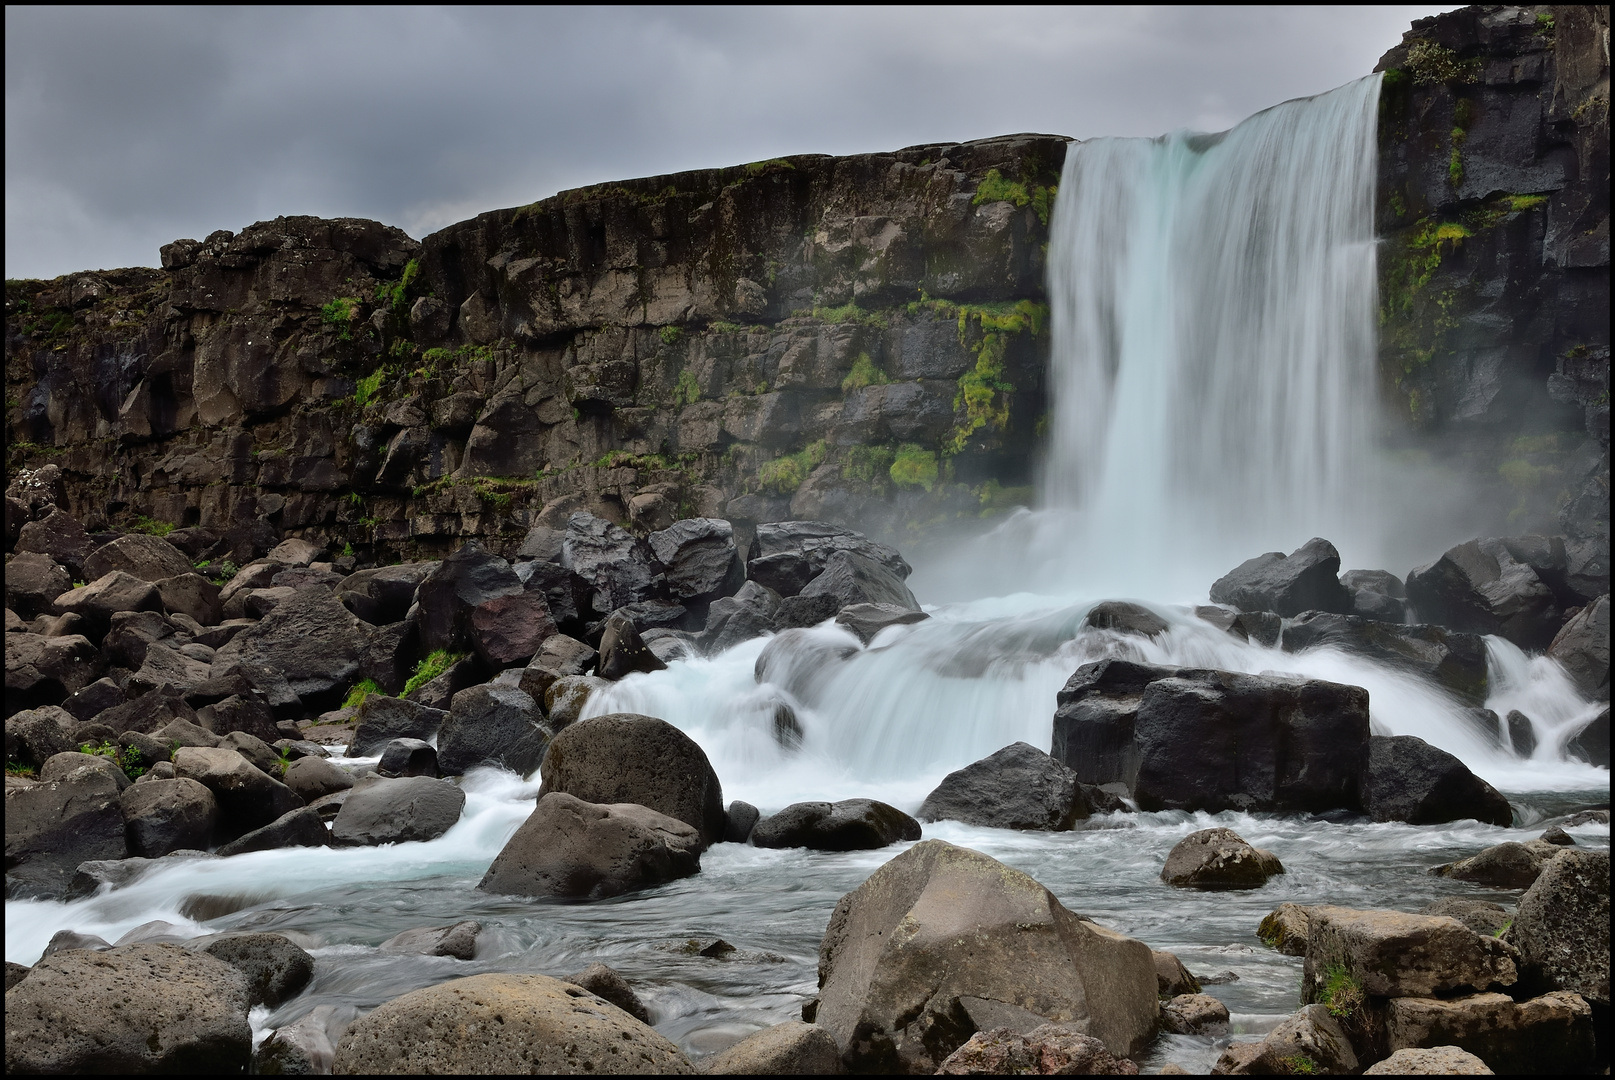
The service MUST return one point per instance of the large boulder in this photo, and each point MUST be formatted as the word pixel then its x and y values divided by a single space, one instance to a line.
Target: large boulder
pixel 1582 648
pixel 1454 661
pixel 1046 1050
pixel 1019 787
pixel 1376 594
pixel 52 827
pixel 454 589
pixel 1509 865
pixel 311 640
pixel 248 715
pixel 47 670
pixel 852 578
pixel 1551 1034
pixel 848 825
pixel 504 1024
pixel 786 555
pixel 33 582
pixel 106 596
pixel 941 935
pixel 1562 926
pixel 149 558
pixel 748 614
pixel 789 1049
pixel 620 569
pixel 383 719
pixel 492 725
pixel 152 1008
pixel 397 811
pixel 1395 954
pixel 1308 579
pixel 383 595
pixel 1479 587
pixel 1194 1014
pixel 1217 859
pixel 699 559
pixel 1430 1061
pixel 628 758
pixel 1196 739
pixel 1409 780
pixel 248 798
pixel 1125 617
pixel 508 630
pixel 192 595
pixel 161 816
pixel 570 848
pixel 34 736
pixel 59 535
pixel 276 968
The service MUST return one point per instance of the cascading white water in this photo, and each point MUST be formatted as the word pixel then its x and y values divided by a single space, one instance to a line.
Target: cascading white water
pixel 1213 313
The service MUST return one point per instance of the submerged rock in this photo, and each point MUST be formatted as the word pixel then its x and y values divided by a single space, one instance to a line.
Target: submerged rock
pixel 1125 618
pixel 867 620
pixel 848 825
pixel 1455 661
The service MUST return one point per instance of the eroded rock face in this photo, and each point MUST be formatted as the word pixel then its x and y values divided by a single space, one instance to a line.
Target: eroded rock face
pixel 1548 1034
pixel 1479 587
pixel 939 929
pixel 544 1026
pixel 1562 926
pixel 1394 954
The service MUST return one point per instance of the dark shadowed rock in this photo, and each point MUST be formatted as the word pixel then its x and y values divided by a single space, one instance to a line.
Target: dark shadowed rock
pixel 250 715
pixel 163 816
pixel 447 596
pixel 1218 859
pixel 149 558
pixel 458 941
pixel 193 595
pixel 622 651
pixel 620 569
pixel 848 825
pixel 408 757
pixel 789 1049
pixel 504 1024
pixel 248 799
pixel 33 582
pixel 1305 580
pixel 397 811
pixel 867 620
pixel 625 757
pixel 1455 661
pixel 940 933
pixel 508 630
pixel 1046 1050
pixel 60 766
pixel 52 827
pixel 383 595
pixel 1125 618
pixel 1171 977
pixel 1591 742
pixel 46 670
pixel 805 610
pixel 383 719
pixel 852 578
pixel 275 968
pixel 1521 734
pixel 565 699
pixel 59 535
pixel 739 820
pixel 749 614
pixel 302 827
pixel 1019 787
pixel 305 1047
pixel 559 656
pixel 1479 587
pixel 151 1008
pixel 570 848
pixel 311 640
pixel 34 736
pixel 1410 780
pixel 312 778
pixel 1562 926
pixel 699 559
pixel 94 699
pixel 492 725
pixel 1582 648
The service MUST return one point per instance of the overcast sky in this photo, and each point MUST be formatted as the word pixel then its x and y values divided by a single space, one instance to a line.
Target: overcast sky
pixel 127 128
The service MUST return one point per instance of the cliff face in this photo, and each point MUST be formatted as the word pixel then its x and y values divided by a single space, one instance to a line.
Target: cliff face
pixel 857 339
pixel 1494 206
pixel 860 339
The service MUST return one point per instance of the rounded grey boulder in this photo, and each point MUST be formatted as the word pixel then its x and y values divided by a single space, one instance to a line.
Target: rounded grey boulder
pixel 789 1049
pixel 848 825
pixel 274 966
pixel 395 811
pixel 1218 859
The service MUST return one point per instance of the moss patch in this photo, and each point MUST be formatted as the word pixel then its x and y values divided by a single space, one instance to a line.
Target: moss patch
pixel 914 466
pixel 783 476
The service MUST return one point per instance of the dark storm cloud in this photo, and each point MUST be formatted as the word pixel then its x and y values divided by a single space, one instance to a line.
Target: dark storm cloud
pixel 127 128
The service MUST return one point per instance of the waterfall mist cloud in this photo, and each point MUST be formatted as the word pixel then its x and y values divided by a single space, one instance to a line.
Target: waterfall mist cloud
pixel 127 128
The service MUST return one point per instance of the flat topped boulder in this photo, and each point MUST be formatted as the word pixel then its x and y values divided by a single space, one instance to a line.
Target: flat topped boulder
pixel 504 1024
pixel 1018 787
pixel 1218 859
pixel 848 825
pixel 941 934
pixel 149 558
pixel 1395 954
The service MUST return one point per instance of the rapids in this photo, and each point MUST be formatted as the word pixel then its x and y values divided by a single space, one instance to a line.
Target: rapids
pixel 1213 307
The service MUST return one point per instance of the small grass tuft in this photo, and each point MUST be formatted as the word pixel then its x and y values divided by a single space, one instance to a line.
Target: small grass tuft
pixel 361 690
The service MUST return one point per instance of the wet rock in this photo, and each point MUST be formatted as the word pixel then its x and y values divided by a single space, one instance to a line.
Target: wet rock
pixel 739 820
pixel 558 657
pixel 150 1008
pixel 69 940
pixel 1376 594
pixel 619 569
pixel 304 1047
pixel 247 798
pixel 163 816
pixel 1521 736
pixel 973 931
pixel 1019 787
pixel 1194 1014
pixel 804 610
pixel 670 645
pixel 310 640
pixel 383 595
pixel 1481 916
pixel 383 719
pixel 1394 954
pixel 1125 618
pixel 149 558
pixel 622 651
pixel 603 982
pixel 302 827
pixel 1479 587
pixel 33 582
pixel 408 757
pixel 1305 580
pixel 628 758
pixel 53 827
pixel 1549 1034
pixel 1509 865
pixel 397 811
pixel 1172 979
pixel 276 969
pixel 1218 859
pixel 699 559
pixel 1582 648
pixel 492 725
pixel 566 697
pixel 1410 780
pixel 789 1049
pixel 311 778
pixel 1562 926
pixel 509 630
pixel 1311 1034
pixel 1430 1061
pixel 1454 661
pixel 733 619
pixel 851 578
pixel 848 825
pixel 458 941
pixel 1591 743
pixel 544 1025
pixel 867 620
pixel 786 555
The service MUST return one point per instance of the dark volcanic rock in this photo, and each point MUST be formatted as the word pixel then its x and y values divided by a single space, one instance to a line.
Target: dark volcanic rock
pixel 383 719
pixel 311 640
pixel 699 559
pixel 163 816
pixel 312 778
pixel 620 570
pixel 1479 587
pixel 408 757
pixel 1410 780
pixel 739 820
pixel 275 968
pixel 1455 661
pixel 746 615
pixel 149 558
pixel 396 811
pixel 33 582
pixel 867 620
pixel 1124 617
pixel 786 555
pixel 1591 743
pixel 622 651
pixel 248 799
pixel 52 827
pixel 1582 648
pixel 508 630
pixel 853 578
pixel 383 594
pixel 625 757
pixel 848 825
pixel 601 981
pixel 1305 580
pixel 448 596
pixel 492 725
pixel 570 848
pixel 302 827
pixel 1019 787
pixel 59 535
pixel 1562 926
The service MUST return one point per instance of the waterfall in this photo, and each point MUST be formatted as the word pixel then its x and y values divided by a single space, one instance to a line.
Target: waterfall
pixel 1213 316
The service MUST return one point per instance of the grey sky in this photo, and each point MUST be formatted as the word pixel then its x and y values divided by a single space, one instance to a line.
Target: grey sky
pixel 127 128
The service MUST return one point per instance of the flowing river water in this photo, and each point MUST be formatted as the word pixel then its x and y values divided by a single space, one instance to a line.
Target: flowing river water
pixel 1213 319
